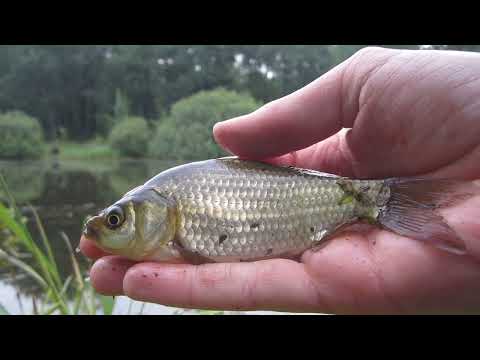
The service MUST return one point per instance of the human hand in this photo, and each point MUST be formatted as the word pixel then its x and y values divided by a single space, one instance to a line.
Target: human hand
pixel 409 113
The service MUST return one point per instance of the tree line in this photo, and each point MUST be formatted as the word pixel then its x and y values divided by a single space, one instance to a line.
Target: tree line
pixel 76 88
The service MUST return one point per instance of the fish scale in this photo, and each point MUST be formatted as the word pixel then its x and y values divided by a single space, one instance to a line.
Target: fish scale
pixel 234 211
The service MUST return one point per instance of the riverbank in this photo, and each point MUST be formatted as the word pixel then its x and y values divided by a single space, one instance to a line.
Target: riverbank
pixel 89 150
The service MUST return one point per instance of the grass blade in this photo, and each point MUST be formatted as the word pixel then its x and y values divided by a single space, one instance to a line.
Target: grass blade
pixel 78 302
pixel 20 302
pixel 80 284
pixel 45 270
pixel 211 312
pixel 67 282
pixel 75 265
pixel 16 226
pixel 46 244
pixel 52 309
pixel 142 308
pixel 107 303
pixel 20 231
pixel 9 222
pixel 48 268
pixel 34 304
pixel 11 200
pixel 89 297
pixel 3 311
pixel 23 266
pixel 93 304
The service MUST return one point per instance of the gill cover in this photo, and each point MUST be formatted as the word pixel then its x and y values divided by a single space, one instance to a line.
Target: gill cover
pixel 154 221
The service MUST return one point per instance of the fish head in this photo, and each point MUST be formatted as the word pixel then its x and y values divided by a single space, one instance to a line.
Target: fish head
pixel 135 226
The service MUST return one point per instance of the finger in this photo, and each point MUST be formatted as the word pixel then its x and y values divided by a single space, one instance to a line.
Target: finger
pixel 307 116
pixel 107 275
pixel 332 155
pixel 463 219
pixel 385 95
pixel 298 120
pixel 89 249
pixel 269 285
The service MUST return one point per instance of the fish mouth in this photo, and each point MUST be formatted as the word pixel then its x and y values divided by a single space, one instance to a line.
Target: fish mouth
pixel 90 233
pixel 90 229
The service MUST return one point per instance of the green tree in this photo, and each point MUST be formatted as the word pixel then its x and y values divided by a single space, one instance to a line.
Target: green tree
pixel 130 137
pixel 474 48
pixel 340 53
pixel 120 111
pixel 187 132
pixel 58 84
pixel 21 136
pixel 121 108
pixel 75 87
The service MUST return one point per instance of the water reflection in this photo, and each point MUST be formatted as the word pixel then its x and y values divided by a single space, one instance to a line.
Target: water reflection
pixel 64 194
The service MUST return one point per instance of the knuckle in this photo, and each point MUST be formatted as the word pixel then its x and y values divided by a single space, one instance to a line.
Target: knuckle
pixel 367 59
pixel 370 51
pixel 363 76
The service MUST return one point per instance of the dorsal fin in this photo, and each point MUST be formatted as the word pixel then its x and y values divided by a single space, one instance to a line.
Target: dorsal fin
pixel 314 172
pixel 293 168
pixel 132 191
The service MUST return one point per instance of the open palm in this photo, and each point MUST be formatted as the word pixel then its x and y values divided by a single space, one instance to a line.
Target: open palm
pixel 408 113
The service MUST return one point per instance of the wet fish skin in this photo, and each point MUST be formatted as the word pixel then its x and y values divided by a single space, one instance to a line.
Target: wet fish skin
pixel 232 210
pixel 225 210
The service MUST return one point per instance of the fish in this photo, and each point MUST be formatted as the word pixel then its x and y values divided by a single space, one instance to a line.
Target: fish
pixel 236 210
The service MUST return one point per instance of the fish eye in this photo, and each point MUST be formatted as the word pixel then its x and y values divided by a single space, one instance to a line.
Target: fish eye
pixel 115 217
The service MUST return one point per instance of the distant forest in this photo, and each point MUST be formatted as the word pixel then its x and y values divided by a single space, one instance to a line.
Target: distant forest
pixel 74 89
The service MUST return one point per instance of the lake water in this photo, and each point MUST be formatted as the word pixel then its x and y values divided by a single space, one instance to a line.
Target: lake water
pixel 64 193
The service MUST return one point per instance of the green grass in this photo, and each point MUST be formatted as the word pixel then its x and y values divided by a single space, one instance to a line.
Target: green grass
pixel 44 270
pixel 90 150
pixel 3 311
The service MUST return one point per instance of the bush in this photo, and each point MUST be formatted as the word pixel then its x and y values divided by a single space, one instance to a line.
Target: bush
pixel 21 136
pixel 186 134
pixel 130 137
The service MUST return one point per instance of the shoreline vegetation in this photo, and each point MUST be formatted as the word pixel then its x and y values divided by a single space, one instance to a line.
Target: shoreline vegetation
pixel 182 134
pixel 96 149
pixel 72 296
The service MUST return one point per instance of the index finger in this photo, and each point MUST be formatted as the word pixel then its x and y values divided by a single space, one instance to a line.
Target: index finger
pixel 294 122
pixel 281 285
pixel 308 116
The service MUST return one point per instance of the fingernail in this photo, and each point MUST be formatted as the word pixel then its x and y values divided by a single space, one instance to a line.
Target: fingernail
pixel 217 125
pixel 218 138
pixel 224 122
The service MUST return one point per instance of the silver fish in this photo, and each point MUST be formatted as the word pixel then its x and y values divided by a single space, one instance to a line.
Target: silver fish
pixel 229 210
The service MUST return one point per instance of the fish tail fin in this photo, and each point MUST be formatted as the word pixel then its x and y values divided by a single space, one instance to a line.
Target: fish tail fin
pixel 411 210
